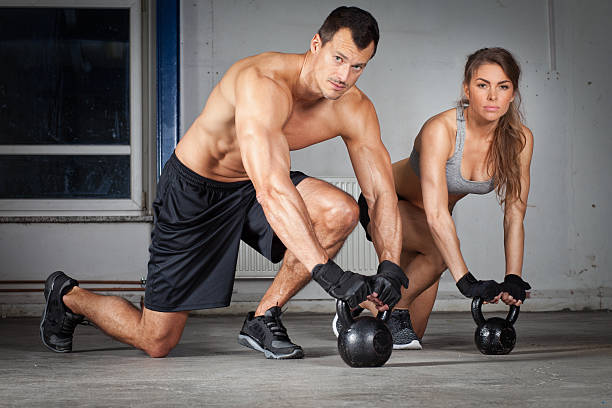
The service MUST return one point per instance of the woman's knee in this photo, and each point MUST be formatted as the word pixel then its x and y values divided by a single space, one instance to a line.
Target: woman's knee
pixel 437 262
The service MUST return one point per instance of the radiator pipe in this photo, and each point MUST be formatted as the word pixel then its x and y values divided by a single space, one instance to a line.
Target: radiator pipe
pixel 94 282
pixel 141 282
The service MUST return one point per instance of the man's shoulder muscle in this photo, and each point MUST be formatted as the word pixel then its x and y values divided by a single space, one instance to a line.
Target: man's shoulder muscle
pixel 355 112
pixel 262 72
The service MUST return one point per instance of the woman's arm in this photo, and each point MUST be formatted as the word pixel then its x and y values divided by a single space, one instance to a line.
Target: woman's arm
pixel 514 214
pixel 436 148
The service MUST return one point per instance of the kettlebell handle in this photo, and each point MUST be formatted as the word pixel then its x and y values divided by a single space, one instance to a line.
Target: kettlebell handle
pixel 384 316
pixel 346 317
pixel 513 313
pixel 344 313
pixel 477 311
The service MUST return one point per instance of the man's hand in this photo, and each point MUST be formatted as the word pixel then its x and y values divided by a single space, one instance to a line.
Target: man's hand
pixel 350 287
pixel 514 288
pixel 386 284
pixel 489 290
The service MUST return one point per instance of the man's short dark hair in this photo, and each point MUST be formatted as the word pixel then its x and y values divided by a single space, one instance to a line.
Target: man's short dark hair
pixel 363 26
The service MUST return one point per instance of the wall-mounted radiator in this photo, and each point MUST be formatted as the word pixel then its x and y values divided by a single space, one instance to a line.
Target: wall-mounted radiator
pixel 357 254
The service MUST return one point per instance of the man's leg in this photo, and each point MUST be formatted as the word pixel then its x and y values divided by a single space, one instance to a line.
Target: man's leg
pixel 334 215
pixel 156 333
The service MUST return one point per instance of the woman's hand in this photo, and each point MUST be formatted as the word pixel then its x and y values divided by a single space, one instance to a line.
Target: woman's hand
pixel 514 290
pixel 489 290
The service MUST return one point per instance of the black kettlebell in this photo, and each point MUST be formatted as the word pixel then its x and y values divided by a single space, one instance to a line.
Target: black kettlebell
pixel 364 341
pixel 494 335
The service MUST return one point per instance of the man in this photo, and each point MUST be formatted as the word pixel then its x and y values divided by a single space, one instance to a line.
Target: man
pixel 229 179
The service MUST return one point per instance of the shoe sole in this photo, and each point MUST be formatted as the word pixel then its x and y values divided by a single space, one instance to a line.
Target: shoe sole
pixel 42 320
pixel 413 345
pixel 252 344
pixel 355 313
pixel 334 323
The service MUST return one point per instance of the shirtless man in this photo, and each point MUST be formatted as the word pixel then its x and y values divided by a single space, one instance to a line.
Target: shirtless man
pixel 230 180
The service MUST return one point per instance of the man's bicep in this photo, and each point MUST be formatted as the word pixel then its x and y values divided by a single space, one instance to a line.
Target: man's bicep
pixel 261 104
pixel 369 156
pixel 264 155
pixel 261 110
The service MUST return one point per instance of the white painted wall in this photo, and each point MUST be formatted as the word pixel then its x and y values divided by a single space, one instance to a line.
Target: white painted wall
pixel 417 73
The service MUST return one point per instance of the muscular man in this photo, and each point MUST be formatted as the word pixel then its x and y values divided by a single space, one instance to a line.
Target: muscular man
pixel 230 180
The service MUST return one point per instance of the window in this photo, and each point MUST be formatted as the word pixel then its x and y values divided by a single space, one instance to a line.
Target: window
pixel 70 109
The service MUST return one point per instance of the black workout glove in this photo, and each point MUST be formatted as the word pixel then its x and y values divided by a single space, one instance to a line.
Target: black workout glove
pixel 470 287
pixel 515 286
pixel 350 287
pixel 387 283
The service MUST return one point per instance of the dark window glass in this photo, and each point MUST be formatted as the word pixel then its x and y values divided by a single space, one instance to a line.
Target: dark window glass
pixel 64 76
pixel 93 177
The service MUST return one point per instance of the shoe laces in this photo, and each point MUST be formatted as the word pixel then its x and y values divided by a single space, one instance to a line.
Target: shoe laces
pixel 70 323
pixel 403 317
pixel 276 327
pixel 86 322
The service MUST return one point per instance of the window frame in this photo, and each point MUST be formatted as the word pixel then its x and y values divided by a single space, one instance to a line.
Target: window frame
pixel 136 204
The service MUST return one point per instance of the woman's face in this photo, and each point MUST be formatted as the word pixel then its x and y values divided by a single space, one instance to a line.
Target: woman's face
pixel 490 92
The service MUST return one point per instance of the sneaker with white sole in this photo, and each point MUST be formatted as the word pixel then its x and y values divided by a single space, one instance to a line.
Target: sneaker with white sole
pixel 267 334
pixel 404 337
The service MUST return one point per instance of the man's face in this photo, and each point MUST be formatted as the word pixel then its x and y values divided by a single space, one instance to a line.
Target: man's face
pixel 339 63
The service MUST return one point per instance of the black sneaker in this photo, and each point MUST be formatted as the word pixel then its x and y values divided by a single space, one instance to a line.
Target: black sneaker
pixel 337 326
pixel 58 322
pixel 267 334
pixel 404 337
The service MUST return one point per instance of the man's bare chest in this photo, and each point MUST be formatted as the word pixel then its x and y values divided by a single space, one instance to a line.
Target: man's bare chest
pixel 308 127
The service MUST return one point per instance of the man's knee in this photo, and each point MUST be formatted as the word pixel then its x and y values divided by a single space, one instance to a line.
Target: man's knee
pixel 161 332
pixel 341 215
pixel 160 346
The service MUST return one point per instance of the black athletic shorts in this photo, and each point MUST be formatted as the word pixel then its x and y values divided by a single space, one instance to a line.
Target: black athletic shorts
pixel 364 216
pixel 198 225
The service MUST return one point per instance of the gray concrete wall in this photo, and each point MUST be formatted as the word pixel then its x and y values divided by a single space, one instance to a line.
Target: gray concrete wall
pixel 417 73
pixel 87 251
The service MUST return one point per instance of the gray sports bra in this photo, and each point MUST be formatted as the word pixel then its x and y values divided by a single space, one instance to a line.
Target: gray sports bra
pixel 455 182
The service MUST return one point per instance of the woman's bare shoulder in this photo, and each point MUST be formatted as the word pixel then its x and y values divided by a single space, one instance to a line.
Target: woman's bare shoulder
pixel 440 128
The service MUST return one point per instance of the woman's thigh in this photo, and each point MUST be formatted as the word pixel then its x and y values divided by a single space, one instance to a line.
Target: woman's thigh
pixel 416 236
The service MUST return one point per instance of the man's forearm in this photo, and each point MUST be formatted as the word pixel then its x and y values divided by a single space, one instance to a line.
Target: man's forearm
pixel 386 228
pixel 287 215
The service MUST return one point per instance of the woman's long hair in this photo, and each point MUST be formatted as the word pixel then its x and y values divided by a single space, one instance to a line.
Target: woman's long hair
pixel 508 138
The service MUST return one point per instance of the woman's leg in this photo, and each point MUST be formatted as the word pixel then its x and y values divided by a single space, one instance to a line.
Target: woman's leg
pixel 422 263
pixel 421 307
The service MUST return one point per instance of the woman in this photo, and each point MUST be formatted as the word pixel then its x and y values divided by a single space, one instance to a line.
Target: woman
pixel 477 147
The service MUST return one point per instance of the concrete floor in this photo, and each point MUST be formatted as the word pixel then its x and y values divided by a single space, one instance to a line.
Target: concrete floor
pixel 561 360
